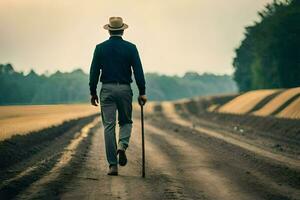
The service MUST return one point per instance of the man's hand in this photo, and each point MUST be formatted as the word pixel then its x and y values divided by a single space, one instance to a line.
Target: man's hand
pixel 142 99
pixel 94 100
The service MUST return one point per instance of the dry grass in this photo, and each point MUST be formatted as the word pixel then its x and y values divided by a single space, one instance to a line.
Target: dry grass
pixel 24 119
pixel 286 104
pixel 245 102
pixel 291 111
pixel 277 102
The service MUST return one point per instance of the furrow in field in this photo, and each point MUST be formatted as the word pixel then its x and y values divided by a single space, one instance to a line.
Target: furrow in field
pixel 28 158
pixel 29 170
pixel 277 102
pixel 291 111
pixel 246 102
pixel 62 162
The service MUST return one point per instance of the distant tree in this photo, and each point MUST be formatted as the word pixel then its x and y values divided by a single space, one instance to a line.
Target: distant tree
pixel 72 87
pixel 269 56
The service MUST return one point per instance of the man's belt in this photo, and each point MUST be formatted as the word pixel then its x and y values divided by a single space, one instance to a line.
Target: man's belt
pixel 117 83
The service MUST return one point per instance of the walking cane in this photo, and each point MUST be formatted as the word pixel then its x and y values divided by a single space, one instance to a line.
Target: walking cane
pixel 143 138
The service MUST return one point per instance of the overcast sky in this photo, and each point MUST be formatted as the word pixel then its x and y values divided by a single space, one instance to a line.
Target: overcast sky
pixel 173 36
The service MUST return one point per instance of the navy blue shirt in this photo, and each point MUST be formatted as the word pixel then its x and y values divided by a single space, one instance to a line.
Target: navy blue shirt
pixel 116 59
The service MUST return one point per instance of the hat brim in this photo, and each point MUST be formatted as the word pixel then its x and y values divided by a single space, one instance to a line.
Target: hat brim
pixel 107 27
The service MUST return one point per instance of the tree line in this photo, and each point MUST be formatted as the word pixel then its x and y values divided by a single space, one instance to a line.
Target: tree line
pixel 72 87
pixel 269 55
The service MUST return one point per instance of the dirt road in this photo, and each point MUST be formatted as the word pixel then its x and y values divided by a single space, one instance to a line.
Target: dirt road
pixel 184 161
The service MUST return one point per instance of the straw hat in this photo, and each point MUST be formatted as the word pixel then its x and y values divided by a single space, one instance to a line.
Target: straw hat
pixel 115 24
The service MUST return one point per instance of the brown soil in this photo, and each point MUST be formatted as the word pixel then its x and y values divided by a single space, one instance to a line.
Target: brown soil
pixel 184 160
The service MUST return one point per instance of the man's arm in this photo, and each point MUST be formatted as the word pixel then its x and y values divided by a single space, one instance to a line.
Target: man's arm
pixel 94 72
pixel 138 72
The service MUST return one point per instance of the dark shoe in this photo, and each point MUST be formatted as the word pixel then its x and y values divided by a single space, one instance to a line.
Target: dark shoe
pixel 122 157
pixel 113 170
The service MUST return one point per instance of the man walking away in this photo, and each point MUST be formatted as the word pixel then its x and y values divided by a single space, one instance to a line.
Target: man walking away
pixel 116 58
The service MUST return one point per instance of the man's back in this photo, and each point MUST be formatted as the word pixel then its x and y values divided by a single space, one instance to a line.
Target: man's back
pixel 115 57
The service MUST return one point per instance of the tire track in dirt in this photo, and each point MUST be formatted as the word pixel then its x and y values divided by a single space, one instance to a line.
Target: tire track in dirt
pixel 276 175
pixel 166 176
pixel 160 163
pixel 196 168
pixel 169 111
pixel 93 182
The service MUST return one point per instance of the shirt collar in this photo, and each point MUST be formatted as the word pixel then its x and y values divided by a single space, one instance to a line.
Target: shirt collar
pixel 116 37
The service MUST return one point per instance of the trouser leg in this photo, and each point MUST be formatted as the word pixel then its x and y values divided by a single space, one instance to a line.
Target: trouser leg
pixel 124 106
pixel 125 133
pixel 108 113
